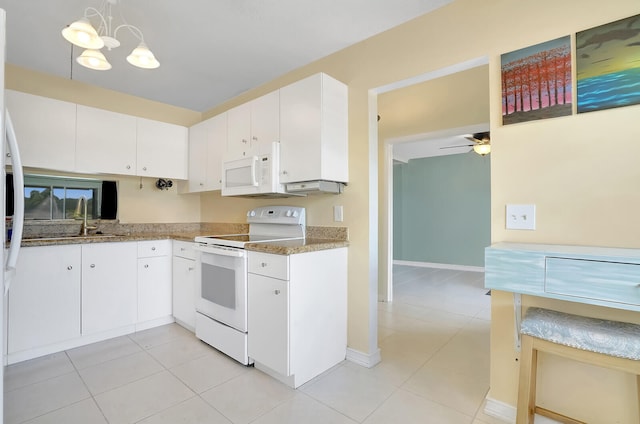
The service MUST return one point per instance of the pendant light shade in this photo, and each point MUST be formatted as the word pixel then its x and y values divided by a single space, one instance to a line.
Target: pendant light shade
pixel 83 34
pixel 142 57
pixel 94 59
pixel 482 149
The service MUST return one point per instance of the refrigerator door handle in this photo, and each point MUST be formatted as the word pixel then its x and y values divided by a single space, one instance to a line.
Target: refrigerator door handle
pixel 18 213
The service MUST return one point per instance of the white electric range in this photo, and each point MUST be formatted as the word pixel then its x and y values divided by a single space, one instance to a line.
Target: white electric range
pixel 221 275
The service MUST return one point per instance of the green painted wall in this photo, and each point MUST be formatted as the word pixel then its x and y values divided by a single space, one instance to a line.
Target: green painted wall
pixel 441 209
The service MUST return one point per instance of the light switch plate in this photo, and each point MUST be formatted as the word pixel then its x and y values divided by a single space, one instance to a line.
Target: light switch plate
pixel 521 217
pixel 338 214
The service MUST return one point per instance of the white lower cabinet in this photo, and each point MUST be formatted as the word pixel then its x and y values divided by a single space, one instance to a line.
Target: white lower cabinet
pixel 108 286
pixel 297 313
pixel 154 280
pixel 44 299
pixel 184 284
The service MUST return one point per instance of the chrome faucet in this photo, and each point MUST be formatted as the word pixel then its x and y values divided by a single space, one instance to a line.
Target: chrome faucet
pixel 84 229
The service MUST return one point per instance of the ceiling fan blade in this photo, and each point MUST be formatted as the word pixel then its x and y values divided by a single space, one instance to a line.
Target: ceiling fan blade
pixel 453 147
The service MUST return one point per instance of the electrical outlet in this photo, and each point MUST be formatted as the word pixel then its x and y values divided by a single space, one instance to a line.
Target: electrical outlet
pixel 521 217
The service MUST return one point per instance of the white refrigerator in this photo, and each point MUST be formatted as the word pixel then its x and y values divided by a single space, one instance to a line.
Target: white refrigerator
pixel 8 153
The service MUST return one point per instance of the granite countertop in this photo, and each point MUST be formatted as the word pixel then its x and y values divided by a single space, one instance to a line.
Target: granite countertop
pixel 289 247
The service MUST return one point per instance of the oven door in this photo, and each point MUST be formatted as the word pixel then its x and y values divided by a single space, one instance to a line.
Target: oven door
pixel 221 280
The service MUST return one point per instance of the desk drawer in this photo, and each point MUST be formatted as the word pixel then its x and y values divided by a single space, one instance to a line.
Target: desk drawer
pixel 608 281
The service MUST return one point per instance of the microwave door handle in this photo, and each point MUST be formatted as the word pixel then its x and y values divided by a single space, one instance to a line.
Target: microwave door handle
pixel 254 166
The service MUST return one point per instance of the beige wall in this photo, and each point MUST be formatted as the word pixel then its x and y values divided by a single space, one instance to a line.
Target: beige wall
pixel 580 171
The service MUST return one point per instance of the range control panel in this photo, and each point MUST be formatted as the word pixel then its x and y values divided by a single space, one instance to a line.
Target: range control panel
pixel 291 215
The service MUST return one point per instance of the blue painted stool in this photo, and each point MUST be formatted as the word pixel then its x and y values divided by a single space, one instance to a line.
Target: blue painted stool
pixel 608 344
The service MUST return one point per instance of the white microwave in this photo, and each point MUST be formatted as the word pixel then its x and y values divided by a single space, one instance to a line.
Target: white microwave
pixel 253 175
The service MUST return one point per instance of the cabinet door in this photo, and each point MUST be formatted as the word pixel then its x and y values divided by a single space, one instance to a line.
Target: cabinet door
pixel 268 313
pixel 45 129
pixel 154 288
pixel 216 146
pixel 44 300
pixel 314 130
pixel 265 121
pixel 109 293
pixel 197 157
pixel 184 289
pixel 300 126
pixel 161 149
pixel 106 142
pixel 239 132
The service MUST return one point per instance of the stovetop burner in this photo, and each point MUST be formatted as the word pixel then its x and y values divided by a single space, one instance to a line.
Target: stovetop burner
pixel 266 224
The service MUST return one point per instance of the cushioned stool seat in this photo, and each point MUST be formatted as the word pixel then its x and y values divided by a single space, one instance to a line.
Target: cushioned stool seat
pixel 605 343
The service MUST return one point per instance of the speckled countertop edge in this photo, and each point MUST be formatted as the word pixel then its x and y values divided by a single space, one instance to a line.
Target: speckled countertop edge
pixel 318 238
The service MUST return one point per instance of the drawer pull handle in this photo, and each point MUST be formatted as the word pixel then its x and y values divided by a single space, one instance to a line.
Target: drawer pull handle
pixel 277 292
pixel 191 268
pixel 263 264
pixel 153 248
pixel 146 265
pixel 92 265
pixel 69 267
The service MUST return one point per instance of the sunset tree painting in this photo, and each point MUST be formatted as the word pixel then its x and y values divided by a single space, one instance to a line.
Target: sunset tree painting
pixel 608 65
pixel 536 82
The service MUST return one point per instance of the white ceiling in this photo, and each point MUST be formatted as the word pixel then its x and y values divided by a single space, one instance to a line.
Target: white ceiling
pixel 209 50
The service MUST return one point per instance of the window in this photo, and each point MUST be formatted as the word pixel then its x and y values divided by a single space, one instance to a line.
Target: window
pixel 49 197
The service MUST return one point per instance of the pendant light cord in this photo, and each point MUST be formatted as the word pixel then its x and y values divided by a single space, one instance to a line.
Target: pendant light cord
pixel 71 64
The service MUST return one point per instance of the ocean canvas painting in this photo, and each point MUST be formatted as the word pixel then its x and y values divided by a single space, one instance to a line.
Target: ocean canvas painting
pixel 608 65
pixel 537 82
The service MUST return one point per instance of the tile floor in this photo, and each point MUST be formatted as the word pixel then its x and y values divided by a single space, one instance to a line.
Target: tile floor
pixel 435 348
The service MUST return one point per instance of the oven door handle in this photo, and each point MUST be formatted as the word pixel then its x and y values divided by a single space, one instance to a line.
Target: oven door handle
pixel 220 250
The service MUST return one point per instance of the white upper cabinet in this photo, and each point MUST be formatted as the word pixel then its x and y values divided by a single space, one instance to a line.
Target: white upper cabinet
pixel 161 149
pixel 45 129
pixel 106 142
pixel 207 144
pixel 253 126
pixel 314 130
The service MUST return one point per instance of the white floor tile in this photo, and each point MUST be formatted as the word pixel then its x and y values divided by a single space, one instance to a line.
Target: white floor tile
pixel 40 398
pixel 208 371
pixel 354 392
pixel 407 408
pixel 118 372
pixel 302 409
pixel 247 397
pixel 191 411
pixel 159 335
pixel 97 353
pixel 179 350
pixel 35 370
pixel 83 412
pixel 142 398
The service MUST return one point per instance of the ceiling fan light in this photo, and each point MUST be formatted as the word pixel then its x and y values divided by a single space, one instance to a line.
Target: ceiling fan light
pixel 482 149
pixel 142 57
pixel 82 34
pixel 93 59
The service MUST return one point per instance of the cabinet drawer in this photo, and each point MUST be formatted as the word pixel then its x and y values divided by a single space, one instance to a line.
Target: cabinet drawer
pixel 152 248
pixel 184 249
pixel 608 281
pixel 276 266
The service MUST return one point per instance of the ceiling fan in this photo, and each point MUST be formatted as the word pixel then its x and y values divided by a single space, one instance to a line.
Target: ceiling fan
pixel 481 143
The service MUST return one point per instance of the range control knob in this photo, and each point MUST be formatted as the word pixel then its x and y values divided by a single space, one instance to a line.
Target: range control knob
pixel 288 213
pixel 252 213
pixel 295 214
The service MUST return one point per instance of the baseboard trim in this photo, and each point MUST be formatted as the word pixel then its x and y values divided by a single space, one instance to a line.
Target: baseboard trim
pixel 440 266
pixel 507 413
pixel 368 360
pixel 500 410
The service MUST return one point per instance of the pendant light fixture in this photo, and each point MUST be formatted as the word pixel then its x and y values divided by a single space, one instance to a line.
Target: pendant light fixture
pixel 83 34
